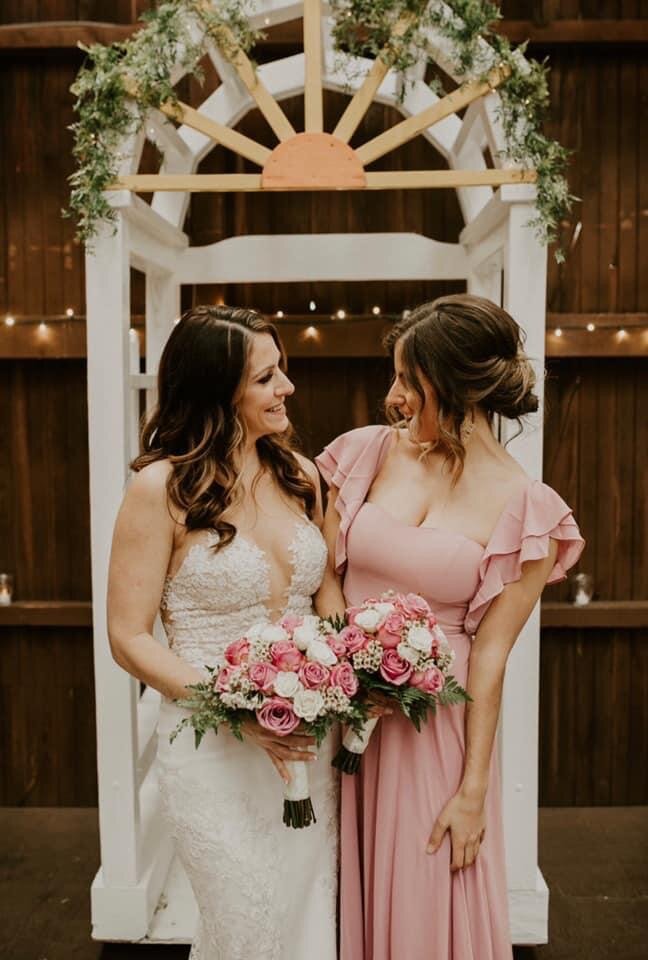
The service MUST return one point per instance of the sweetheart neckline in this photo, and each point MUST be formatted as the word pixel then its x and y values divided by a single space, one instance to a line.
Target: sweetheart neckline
pixel 422 526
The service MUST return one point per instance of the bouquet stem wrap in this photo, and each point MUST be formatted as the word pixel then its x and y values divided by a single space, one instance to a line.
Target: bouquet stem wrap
pixel 298 807
pixel 353 746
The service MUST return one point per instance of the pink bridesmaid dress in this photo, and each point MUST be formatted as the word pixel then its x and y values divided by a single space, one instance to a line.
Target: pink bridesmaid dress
pixel 397 901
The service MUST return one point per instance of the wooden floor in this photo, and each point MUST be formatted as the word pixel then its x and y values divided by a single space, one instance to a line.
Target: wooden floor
pixel 595 861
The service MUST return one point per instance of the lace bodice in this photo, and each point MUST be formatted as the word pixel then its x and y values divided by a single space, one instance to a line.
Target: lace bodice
pixel 214 597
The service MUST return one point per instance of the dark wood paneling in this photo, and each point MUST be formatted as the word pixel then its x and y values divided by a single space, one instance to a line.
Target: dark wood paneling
pixel 594 717
pixel 44 505
pixel 47 728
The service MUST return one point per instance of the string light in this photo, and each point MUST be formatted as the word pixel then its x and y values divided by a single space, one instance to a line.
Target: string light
pixel 312 306
pixel 9 321
pixel 341 314
pixel 69 312
pixel 558 332
pixel 591 327
pixel 279 314
pixel 375 311
pixel 42 327
pixel 622 334
pixel 311 333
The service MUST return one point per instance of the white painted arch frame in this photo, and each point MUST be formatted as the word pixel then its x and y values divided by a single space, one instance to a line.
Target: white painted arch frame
pixel 497 254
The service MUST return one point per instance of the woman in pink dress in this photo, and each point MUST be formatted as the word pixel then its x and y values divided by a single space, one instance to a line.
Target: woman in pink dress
pixel 435 505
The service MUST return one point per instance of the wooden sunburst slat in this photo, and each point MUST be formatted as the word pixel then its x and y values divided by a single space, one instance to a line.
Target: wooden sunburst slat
pixel 363 97
pixel 412 126
pixel 183 113
pixel 313 107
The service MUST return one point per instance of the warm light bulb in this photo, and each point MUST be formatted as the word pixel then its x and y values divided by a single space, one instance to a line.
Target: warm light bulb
pixel 312 306
pixel 558 332
pixel 375 311
pixel 341 314
pixel 69 312
pixel 311 333
pixel 279 314
pixel 622 333
pixel 591 327
pixel 9 321
pixel 42 327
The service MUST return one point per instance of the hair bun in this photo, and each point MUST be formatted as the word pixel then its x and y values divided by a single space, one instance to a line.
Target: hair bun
pixel 513 395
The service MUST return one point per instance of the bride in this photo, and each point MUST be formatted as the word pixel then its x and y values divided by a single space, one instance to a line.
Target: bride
pixel 219 529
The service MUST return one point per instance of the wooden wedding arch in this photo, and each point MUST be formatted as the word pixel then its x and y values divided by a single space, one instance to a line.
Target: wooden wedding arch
pixel 140 891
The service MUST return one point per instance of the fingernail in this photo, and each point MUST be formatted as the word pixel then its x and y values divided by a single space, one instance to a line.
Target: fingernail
pixel 430 848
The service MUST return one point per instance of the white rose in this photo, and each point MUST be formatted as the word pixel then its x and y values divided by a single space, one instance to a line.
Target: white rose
pixel 321 652
pixel 307 704
pixel 370 620
pixel 420 638
pixel 407 653
pixel 272 633
pixel 286 684
pixel 311 620
pixel 384 608
pixel 304 635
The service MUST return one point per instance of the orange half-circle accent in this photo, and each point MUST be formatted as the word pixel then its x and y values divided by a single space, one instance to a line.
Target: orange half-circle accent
pixel 313 161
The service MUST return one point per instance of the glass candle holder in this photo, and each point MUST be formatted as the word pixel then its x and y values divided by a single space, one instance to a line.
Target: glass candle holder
pixel 582 589
pixel 6 589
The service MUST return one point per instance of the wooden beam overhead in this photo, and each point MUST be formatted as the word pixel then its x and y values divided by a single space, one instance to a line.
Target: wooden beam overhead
pixel 57 35
pixel 407 129
pixel 380 180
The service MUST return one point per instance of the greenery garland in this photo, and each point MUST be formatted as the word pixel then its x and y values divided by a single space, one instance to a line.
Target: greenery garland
pixel 106 114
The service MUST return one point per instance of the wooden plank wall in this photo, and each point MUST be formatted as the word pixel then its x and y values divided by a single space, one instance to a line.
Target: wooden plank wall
pixel 594 705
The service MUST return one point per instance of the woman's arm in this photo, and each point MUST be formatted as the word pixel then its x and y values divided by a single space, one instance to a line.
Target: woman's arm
pixel 463 815
pixel 329 600
pixel 141 549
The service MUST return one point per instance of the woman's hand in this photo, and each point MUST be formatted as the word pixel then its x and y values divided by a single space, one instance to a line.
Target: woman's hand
pixel 281 750
pixel 464 817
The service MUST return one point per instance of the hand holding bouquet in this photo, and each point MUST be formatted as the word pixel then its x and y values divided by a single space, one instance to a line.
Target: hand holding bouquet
pixel 399 651
pixel 292 676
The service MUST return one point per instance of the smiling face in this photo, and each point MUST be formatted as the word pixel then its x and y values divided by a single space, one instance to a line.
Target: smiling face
pixel 262 404
pixel 416 403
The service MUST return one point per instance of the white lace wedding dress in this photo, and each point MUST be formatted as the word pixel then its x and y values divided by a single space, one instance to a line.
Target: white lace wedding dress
pixel 264 891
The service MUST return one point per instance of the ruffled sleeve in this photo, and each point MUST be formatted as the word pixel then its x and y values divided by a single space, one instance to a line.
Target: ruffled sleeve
pixel 350 464
pixel 522 533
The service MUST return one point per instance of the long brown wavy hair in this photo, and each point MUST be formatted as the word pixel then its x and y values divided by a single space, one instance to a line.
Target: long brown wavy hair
pixel 196 425
pixel 471 352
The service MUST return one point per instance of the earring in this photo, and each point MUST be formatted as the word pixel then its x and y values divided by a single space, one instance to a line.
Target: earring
pixel 466 429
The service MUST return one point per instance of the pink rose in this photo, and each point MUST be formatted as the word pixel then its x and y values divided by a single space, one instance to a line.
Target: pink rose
pixel 394 669
pixel 277 715
pixel 431 621
pixel 343 676
pixel 290 621
pixel 237 652
pixel 262 675
pixel 390 633
pixel 429 681
pixel 414 605
pixel 353 638
pixel 313 674
pixel 286 656
pixel 337 645
pixel 224 677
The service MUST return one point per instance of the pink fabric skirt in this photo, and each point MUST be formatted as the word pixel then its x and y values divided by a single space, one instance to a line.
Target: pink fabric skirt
pixel 399 902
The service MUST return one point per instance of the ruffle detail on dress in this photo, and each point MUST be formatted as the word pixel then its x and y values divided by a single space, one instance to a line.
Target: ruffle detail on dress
pixel 522 533
pixel 350 464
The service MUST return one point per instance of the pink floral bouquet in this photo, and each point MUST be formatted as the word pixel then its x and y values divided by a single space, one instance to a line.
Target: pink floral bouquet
pixel 291 675
pixel 399 651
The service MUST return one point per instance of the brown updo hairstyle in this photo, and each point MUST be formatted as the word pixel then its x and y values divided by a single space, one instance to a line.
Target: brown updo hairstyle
pixel 471 353
pixel 196 426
